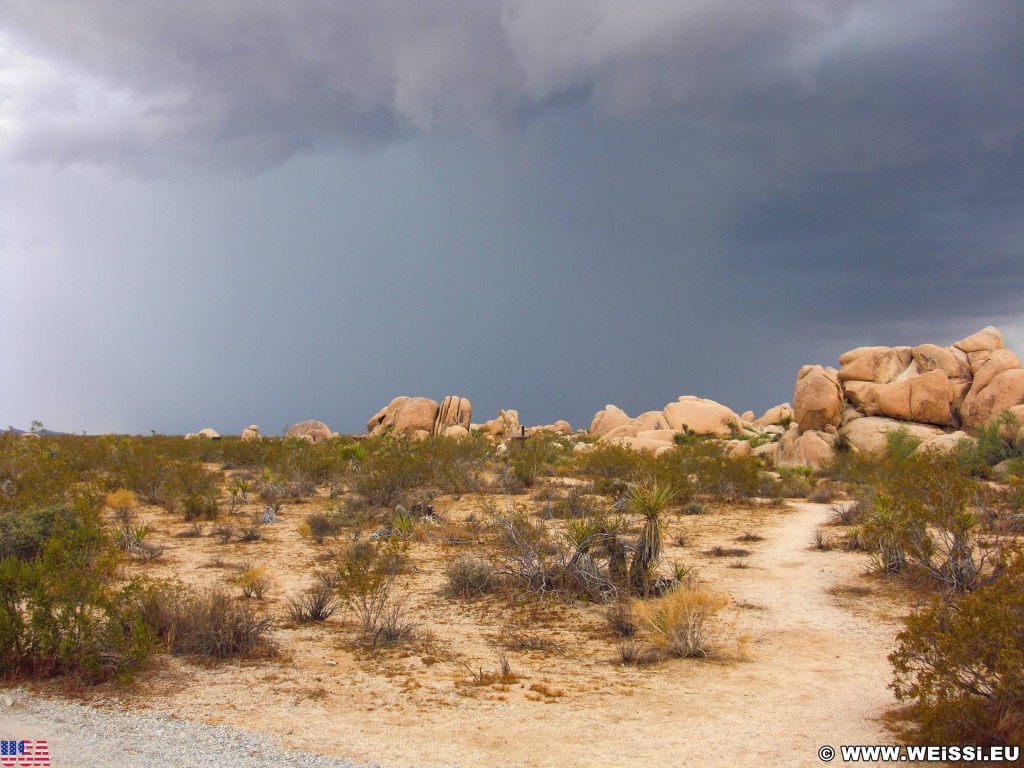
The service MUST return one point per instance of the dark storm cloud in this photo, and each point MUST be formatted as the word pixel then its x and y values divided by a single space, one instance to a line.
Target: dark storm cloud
pixel 695 190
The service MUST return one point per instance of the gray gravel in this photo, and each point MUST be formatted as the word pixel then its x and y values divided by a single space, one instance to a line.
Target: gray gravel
pixel 78 735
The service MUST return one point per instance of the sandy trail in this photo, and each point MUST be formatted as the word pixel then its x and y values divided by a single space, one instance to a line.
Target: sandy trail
pixel 814 672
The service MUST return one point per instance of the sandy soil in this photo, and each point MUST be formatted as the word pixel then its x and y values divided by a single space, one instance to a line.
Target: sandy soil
pixel 800 662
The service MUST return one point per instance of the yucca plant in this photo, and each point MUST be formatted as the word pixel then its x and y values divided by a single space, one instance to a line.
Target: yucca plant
pixel 648 501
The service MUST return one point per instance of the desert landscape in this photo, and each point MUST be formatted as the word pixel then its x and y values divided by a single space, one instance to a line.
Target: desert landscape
pixel 689 586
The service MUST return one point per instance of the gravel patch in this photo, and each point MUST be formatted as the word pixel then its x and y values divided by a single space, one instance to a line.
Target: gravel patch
pixel 79 736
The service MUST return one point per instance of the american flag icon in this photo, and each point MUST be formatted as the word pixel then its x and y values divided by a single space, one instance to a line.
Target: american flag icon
pixel 27 754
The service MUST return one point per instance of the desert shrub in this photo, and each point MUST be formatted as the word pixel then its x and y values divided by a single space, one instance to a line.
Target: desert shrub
pixel 575 503
pixel 23 534
pixel 612 468
pixel 197 506
pixel 59 609
pixel 704 468
pixel 386 473
pixel 530 458
pixel 997 440
pixel 254 581
pixel 678 622
pixel 695 508
pixel 849 514
pixel 320 525
pixel 900 444
pixel 824 492
pixel 961 662
pixel 921 519
pixel 794 482
pixel 207 623
pixel 252 530
pixel 620 618
pixel 318 603
pixel 367 573
pixel 469 577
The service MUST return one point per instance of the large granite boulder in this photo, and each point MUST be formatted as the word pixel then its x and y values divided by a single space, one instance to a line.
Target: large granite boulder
pixel 870 434
pixel 701 417
pixel 878 364
pixel 453 411
pixel 1006 390
pixel 818 398
pixel 313 431
pixel 609 418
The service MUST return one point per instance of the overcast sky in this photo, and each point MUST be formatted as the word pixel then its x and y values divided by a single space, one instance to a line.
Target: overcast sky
pixel 224 212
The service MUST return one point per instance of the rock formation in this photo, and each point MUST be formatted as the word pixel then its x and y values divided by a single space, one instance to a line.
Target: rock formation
pixel 313 431
pixel 421 417
pixel 930 391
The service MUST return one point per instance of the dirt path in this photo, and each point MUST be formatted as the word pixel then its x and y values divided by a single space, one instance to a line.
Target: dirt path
pixel 813 672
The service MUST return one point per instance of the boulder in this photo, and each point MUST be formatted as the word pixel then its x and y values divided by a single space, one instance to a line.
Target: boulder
pixel 778 415
pixel 737 449
pixel 863 395
pixel 453 411
pixel 768 452
pixel 384 419
pixel 251 433
pixel 999 361
pixel 878 364
pixel 203 434
pixel 748 416
pixel 868 435
pixel 457 431
pixel 314 431
pixel 927 398
pixel 608 419
pixel 1004 391
pixel 664 435
pixel 808 449
pixel 417 414
pixel 942 445
pixel 503 427
pixel 988 339
pixel 562 427
pixel 701 416
pixel 930 357
pixel 649 420
pixel 818 398
pixel 648 445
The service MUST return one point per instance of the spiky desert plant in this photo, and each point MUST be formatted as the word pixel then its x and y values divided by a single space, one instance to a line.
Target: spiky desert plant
pixel 648 501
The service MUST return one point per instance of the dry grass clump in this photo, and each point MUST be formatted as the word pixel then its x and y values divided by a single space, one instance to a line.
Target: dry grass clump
pixel 620 618
pixel 469 577
pixel 208 623
pixel 254 581
pixel 316 604
pixel 678 621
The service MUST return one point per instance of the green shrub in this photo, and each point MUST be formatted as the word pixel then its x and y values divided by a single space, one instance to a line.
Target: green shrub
pixel 900 444
pixel 961 662
pixel 60 612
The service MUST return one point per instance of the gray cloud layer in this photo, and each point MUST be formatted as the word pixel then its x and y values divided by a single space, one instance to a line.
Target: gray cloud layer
pixel 591 187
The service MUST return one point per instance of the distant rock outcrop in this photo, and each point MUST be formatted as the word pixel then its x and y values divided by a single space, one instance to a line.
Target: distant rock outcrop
pixel 203 434
pixel 251 434
pixel 313 431
pixel 422 417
